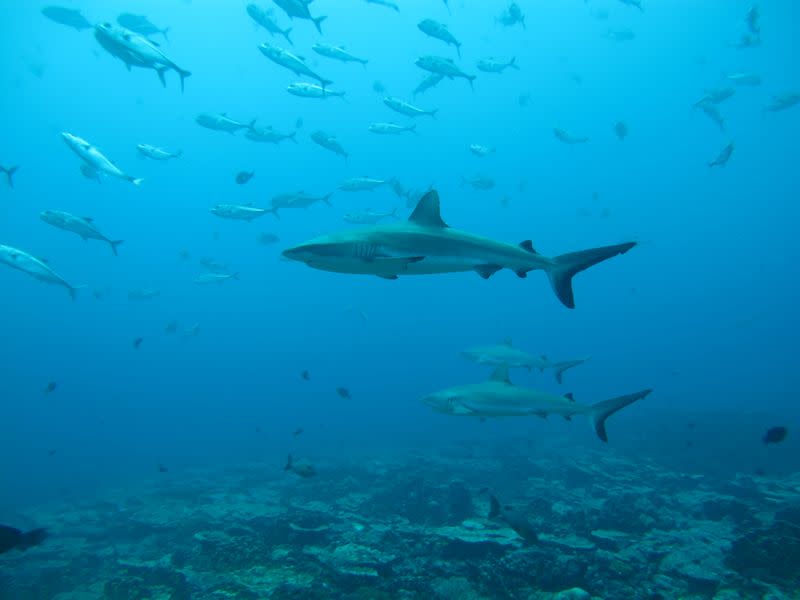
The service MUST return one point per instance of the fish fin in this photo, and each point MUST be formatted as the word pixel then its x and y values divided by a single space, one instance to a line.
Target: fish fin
pixel 10 175
pixel 164 33
pixel 134 180
pixel 500 375
pixel 513 63
pixel 288 463
pixel 602 410
pixel 494 509
pixel 114 245
pixel 570 396
pixel 427 211
pixel 487 271
pixel 527 245
pixel 327 199
pixel 521 273
pixel 286 35
pixel 161 77
pixel 183 75
pixel 318 23
pixel 566 266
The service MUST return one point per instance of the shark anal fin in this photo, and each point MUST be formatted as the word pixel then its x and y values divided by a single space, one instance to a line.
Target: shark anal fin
pixel 427 211
pixel 487 271
pixel 527 245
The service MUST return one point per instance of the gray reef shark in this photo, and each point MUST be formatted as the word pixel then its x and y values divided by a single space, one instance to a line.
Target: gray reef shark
pixel 506 354
pixel 425 244
pixel 498 397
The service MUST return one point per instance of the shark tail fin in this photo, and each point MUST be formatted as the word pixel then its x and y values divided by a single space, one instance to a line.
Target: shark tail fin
pixel 494 508
pixel 513 63
pixel 183 75
pixel 10 175
pixel 288 463
pixel 114 245
pixel 327 199
pixel 286 35
pixel 602 410
pixel 566 266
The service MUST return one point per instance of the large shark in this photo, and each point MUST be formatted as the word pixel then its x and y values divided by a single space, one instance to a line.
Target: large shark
pixel 506 354
pixel 425 244
pixel 498 397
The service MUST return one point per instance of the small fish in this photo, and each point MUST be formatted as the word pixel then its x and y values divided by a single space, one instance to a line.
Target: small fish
pixel 302 469
pixel 620 35
pixel 344 393
pixel 712 112
pixel 209 278
pixel 444 67
pixel 214 265
pixel 495 65
pixel 621 130
pixel 329 142
pixel 171 327
pixel 378 87
pixel 336 53
pixel 723 157
pixel 368 217
pixel 239 212
pixel 386 3
pixel 266 239
pixel 51 452
pixel 716 96
pixel 783 102
pixel 268 135
pixel 405 108
pixel 222 122
pixel 192 331
pixel 137 342
pixel 313 90
pixel 297 431
pixel 156 153
pixel 244 176
pixel 568 138
pixel 162 468
pixel 141 25
pixel 430 81
pixel 511 16
pixel 775 435
pixel 752 19
pixel 514 519
pixel 184 254
pixel 82 226
pixel 361 184
pixel 51 387
pixel 67 16
pixel 305 375
pixel 482 151
pixel 11 538
pixel 390 128
pixel 439 31
pixel 287 60
pixel 299 9
pixel 9 172
pixel 93 157
pixel 750 79
pixel 264 18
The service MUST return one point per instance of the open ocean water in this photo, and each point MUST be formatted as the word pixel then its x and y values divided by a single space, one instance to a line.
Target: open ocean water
pixel 288 310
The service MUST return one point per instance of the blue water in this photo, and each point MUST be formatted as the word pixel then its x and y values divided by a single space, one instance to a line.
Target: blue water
pixel 703 310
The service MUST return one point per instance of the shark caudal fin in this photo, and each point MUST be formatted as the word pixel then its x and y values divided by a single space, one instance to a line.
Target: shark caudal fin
pixel 566 266
pixel 114 245
pixel 602 410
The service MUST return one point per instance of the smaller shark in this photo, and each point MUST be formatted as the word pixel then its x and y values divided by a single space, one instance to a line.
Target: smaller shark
pixel 425 244
pixel 498 397
pixel 506 354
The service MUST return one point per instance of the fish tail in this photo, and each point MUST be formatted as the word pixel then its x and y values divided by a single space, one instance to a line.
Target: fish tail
pixel 286 35
pixel 274 211
pixel 494 508
pixel 114 244
pixel 513 63
pixel 433 112
pixel 134 180
pixel 293 136
pixel 602 410
pixel 288 463
pixel 318 23
pixel 564 267
pixel 327 199
pixel 164 33
pixel 32 538
pixel 471 79
pixel 9 175
pixel 161 77
pixel 183 75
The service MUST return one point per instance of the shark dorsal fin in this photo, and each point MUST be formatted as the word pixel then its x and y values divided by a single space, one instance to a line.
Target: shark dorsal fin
pixel 527 245
pixel 500 375
pixel 569 396
pixel 427 211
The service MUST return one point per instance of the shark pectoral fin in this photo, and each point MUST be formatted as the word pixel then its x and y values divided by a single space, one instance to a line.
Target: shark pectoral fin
pixel 389 267
pixel 602 410
pixel 388 276
pixel 487 271
pixel 521 273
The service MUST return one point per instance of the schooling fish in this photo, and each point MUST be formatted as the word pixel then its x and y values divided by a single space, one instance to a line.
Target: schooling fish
pixel 141 25
pixel 67 16
pixel 35 267
pixel 82 226
pixel 723 157
pixel 93 157
pixel 263 18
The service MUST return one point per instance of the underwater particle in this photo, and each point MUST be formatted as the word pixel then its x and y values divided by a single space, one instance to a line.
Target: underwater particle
pixel 298 124
pixel 621 130
pixel 265 239
pixel 305 375
pixel 297 431
pixel 51 387
pixel 344 393
pixel 162 468
pixel 300 468
pixel 378 87
pixel 775 435
pixel 595 195
pixel 137 342
pixel 11 538
pixel 184 255
pixel 244 176
pixel 51 452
